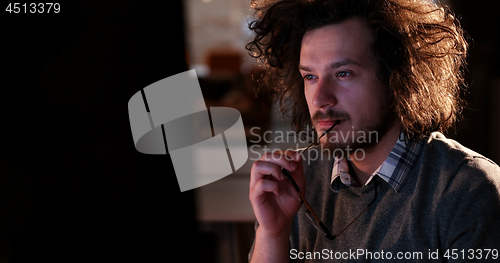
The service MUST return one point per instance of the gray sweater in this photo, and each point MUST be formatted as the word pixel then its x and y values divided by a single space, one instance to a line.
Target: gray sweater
pixel 448 210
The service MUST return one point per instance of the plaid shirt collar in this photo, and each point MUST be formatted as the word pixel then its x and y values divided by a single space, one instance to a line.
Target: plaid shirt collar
pixel 394 170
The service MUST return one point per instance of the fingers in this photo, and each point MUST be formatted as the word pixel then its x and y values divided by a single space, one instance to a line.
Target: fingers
pixel 266 175
pixel 273 197
pixel 269 186
pixel 282 157
pixel 271 164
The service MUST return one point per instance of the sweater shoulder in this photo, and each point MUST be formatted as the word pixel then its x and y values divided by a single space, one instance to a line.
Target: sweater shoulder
pixel 440 151
pixel 438 142
pixel 451 163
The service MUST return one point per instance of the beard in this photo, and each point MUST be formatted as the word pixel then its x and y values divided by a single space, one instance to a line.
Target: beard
pixel 361 139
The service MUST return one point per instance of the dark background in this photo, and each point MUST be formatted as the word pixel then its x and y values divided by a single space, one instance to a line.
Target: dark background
pixel 72 186
pixel 480 125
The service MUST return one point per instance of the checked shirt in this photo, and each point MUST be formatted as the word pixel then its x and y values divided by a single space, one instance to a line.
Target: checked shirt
pixel 394 170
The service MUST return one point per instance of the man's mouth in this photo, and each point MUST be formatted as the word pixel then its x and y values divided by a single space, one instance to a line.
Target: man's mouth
pixel 323 125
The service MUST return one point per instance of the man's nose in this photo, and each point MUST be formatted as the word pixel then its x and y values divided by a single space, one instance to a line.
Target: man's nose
pixel 324 95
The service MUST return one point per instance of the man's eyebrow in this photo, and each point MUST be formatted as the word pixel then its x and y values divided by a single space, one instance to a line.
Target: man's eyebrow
pixel 332 65
pixel 343 63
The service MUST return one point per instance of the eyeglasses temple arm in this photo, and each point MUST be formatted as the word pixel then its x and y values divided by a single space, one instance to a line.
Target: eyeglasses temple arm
pixel 302 199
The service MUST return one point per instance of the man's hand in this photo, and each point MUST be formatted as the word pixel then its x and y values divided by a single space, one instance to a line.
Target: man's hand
pixel 274 200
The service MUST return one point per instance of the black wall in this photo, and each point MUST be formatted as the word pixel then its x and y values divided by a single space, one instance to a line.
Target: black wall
pixel 72 186
pixel 480 126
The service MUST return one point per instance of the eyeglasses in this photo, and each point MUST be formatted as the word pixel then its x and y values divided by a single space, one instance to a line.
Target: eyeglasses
pixel 313 217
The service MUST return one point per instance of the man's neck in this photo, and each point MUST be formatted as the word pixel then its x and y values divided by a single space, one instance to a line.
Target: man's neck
pixel 362 169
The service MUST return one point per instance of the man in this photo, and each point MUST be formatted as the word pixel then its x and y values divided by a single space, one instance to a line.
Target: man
pixel 389 185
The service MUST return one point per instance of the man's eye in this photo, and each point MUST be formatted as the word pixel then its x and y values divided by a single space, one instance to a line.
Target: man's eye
pixel 308 77
pixel 343 74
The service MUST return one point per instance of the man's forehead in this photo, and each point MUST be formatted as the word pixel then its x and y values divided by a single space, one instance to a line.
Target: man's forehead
pixel 339 44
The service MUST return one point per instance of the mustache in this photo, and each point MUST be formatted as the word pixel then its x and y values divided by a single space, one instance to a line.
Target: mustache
pixel 330 114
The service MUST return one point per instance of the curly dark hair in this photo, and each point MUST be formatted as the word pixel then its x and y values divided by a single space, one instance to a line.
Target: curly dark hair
pixel 419 47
